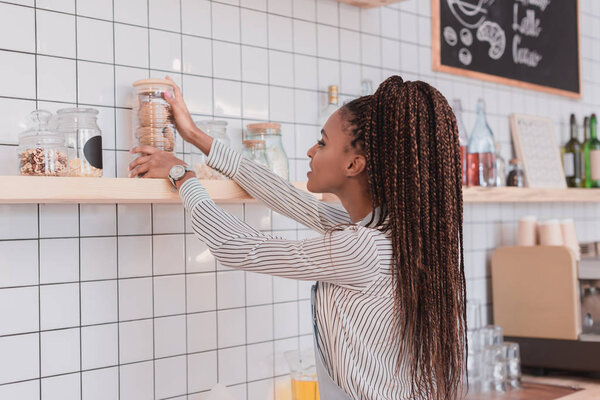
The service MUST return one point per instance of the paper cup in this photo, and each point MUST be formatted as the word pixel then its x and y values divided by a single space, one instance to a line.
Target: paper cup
pixel 526 231
pixel 569 233
pixel 550 233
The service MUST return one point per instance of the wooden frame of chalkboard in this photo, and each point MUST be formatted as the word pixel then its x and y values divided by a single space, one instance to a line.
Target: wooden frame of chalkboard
pixel 565 83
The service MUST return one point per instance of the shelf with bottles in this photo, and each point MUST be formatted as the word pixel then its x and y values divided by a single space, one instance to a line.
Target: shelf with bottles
pixel 581 159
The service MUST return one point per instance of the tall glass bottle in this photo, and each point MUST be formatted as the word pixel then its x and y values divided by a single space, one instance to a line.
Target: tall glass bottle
pixel 462 138
pixel 586 137
pixel 592 156
pixel 481 166
pixel 332 105
pixel 572 157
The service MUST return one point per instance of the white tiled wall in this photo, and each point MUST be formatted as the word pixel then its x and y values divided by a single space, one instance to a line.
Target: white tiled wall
pixel 120 301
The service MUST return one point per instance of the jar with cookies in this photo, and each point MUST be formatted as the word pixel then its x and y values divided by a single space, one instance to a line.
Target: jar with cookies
pixel 42 151
pixel 83 138
pixel 153 123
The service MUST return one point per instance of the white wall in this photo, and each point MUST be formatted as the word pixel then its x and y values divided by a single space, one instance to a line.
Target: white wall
pixel 102 301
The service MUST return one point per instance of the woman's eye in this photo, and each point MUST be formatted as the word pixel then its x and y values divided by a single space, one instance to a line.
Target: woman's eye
pixel 321 143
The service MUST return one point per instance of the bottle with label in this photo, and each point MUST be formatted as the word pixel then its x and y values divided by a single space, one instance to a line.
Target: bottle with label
pixel 592 156
pixel 481 166
pixel 332 105
pixel 572 162
pixel 462 138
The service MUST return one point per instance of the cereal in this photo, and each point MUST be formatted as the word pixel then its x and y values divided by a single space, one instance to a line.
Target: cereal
pixel 161 138
pixel 154 114
pixel 79 167
pixel 40 162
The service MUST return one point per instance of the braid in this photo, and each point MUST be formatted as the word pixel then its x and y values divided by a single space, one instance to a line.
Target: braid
pixel 409 136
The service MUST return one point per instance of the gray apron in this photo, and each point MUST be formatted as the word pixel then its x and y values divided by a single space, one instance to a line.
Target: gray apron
pixel 328 389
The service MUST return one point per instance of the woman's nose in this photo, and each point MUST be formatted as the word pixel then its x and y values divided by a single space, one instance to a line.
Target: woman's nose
pixel 311 151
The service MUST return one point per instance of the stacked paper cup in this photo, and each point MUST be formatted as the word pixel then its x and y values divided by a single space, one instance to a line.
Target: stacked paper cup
pixel 548 233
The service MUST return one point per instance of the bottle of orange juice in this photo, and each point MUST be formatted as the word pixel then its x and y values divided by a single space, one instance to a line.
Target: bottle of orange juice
pixel 303 373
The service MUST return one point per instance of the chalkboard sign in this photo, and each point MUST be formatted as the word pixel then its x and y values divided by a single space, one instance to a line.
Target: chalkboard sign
pixel 527 43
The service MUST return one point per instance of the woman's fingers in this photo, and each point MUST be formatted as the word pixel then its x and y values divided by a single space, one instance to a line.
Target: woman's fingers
pixel 139 170
pixel 176 88
pixel 138 161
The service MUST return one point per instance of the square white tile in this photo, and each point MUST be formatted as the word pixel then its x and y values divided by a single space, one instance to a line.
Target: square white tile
pixel 231 327
pixel 281 7
pixel 232 365
pixel 198 94
pixel 131 45
pixel 350 79
pixel 59 260
pixel 98 302
pixel 169 336
pixel 328 41
pixel 255 101
pixel 305 9
pixel 100 384
pixel 17 72
pixel 132 11
pixel 280 107
pixel 390 50
pixel 135 256
pixel 259 288
pixel 196 17
pixel 59 306
pixel 198 256
pixel 327 12
pixel 98 258
pixel 329 74
pixel 169 254
pixel 305 72
pixel 370 49
pixel 260 357
pixel 13 19
pixel 165 51
pixel 197 56
pixel 227 98
pixel 19 310
pixel 19 266
pixel 164 14
pixel 305 37
pixel 285 320
pixel 167 218
pixel 259 323
pixel 22 353
pixel 124 77
pixel 255 65
pixel 280 33
pixel 169 295
pixel 170 376
pixel 281 66
pixel 96 83
pixel 228 26
pixel 62 387
pixel 18 221
pixel 136 341
pixel 55 33
pixel 60 352
pixel 135 298
pixel 94 40
pixel 226 60
pixel 348 49
pixel 134 219
pixel 201 292
pixel 98 219
pixel 284 289
pixel 201 332
pixel 307 112
pixel 230 289
pixel 99 346
pixel 254 27
pixel 137 381
pixel 202 371
pixel 262 389
pixel 15 118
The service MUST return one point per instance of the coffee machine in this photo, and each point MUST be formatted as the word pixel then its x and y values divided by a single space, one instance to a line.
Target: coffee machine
pixel 549 302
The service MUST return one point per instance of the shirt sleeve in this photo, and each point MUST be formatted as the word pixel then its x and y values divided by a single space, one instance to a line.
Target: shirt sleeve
pixel 277 193
pixel 347 258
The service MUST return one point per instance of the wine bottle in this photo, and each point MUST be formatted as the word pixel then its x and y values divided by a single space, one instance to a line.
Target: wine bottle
pixel 481 165
pixel 572 157
pixel 592 156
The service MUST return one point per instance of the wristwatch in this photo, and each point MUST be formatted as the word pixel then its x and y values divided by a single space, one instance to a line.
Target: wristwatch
pixel 177 172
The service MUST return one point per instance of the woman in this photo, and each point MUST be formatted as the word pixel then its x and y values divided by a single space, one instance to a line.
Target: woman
pixel 389 310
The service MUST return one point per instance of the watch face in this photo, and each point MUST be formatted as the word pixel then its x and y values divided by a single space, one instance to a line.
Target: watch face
pixel 177 172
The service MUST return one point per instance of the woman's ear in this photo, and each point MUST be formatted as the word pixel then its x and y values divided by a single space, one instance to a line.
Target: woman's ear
pixel 357 164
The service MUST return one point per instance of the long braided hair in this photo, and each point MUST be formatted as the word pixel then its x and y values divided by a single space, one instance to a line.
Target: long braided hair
pixel 408 134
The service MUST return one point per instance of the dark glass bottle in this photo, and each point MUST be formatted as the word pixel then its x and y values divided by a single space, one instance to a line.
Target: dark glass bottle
pixel 591 150
pixel 516 176
pixel 572 157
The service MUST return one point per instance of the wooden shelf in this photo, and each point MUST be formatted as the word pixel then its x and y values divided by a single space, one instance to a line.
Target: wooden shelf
pixel 369 3
pixel 34 189
pixel 31 189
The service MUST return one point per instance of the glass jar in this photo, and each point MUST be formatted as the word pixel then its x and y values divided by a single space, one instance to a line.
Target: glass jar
pixel 218 131
pixel 270 133
pixel 83 138
pixel 516 176
pixel 41 151
pixel 153 123
pixel 254 150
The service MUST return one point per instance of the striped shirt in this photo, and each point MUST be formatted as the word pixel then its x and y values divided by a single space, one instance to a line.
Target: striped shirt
pixel 355 299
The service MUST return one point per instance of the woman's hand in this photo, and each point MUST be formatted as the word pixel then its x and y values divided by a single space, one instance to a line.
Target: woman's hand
pixel 183 120
pixel 152 163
